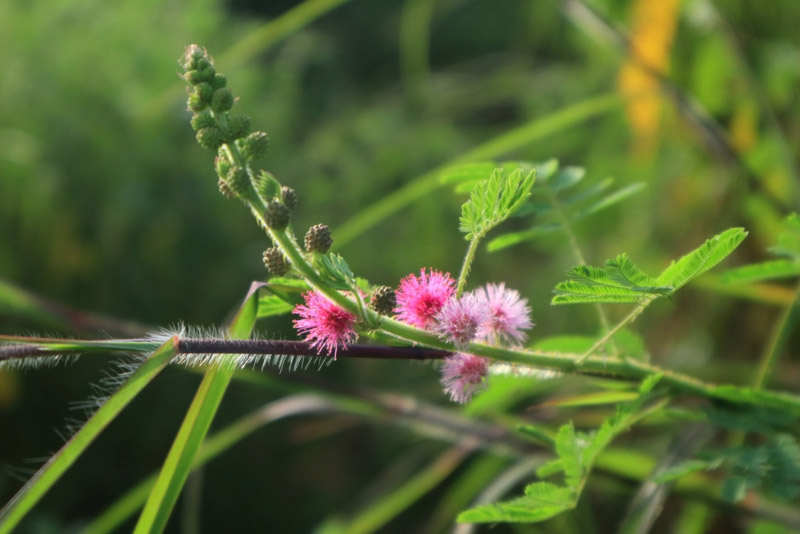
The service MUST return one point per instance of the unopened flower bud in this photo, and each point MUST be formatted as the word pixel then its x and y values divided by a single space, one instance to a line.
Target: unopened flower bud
pixel 277 215
pixel 208 73
pixel 205 92
pixel 195 103
pixel 383 300
pixel 192 58
pixel 276 262
pixel 209 138
pixel 203 120
pixel 238 181
pixel 254 145
pixel 238 126
pixel 222 100
pixel 219 81
pixel 318 238
pixel 289 197
pixel 193 77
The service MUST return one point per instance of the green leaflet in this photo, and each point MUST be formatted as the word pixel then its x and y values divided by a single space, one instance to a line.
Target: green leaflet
pixel 494 200
pixel 703 258
pixel 577 453
pixel 788 246
pixel 281 295
pixel 758 272
pixel 542 500
pixel 555 205
pixel 569 452
pixel 621 281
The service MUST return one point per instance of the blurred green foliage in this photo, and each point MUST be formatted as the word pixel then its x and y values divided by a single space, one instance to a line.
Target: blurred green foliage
pixel 108 204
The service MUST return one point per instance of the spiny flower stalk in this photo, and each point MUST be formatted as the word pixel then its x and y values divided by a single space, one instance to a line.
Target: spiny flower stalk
pixel 420 298
pixel 324 324
pixel 463 375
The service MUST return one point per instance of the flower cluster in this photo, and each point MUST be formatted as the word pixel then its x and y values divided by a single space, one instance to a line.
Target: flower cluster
pixel 492 314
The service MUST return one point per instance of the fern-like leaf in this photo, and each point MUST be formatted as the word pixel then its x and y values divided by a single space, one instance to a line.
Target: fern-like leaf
pixel 541 501
pixel 621 281
pixel 557 201
pixel 702 258
pixel 494 200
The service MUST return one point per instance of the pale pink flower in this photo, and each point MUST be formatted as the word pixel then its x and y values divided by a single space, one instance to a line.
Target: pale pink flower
pixel 460 319
pixel 509 314
pixel 463 375
pixel 419 299
pixel 324 324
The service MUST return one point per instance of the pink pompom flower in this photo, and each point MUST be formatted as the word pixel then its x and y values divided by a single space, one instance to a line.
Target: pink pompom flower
pixel 509 314
pixel 419 299
pixel 324 324
pixel 463 375
pixel 460 320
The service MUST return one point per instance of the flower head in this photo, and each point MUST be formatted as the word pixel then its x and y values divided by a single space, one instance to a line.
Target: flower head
pixel 509 314
pixel 461 319
pixel 324 324
pixel 463 375
pixel 419 299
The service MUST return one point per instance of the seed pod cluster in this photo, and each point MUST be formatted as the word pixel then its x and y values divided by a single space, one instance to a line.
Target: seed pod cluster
pixel 275 262
pixel 318 238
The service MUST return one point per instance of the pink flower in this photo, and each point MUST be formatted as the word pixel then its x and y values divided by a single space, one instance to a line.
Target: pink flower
pixel 463 375
pixel 419 299
pixel 460 319
pixel 324 324
pixel 509 314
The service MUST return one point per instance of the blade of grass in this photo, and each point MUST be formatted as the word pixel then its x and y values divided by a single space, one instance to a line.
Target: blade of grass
pixel 293 405
pixel 193 430
pixel 534 130
pixel 21 304
pixel 385 509
pixel 51 471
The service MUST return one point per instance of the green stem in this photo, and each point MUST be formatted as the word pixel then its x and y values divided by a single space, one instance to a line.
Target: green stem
pixel 777 341
pixel 467 265
pixel 610 333
pixel 576 250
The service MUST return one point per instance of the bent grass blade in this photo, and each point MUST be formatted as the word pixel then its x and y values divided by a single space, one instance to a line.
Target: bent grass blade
pixel 33 490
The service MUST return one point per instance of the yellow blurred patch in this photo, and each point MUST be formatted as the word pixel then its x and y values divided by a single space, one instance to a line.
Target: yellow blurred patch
pixel 9 389
pixel 744 128
pixel 652 31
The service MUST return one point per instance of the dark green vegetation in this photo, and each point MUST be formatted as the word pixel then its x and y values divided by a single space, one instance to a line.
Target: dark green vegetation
pixel 108 204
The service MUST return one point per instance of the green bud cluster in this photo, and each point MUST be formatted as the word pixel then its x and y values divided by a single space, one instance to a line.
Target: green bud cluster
pixel 383 300
pixel 275 262
pixel 289 197
pixel 318 238
pixel 277 215
pixel 254 146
